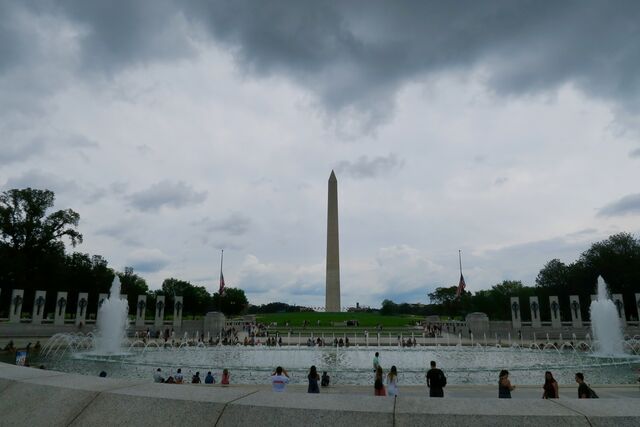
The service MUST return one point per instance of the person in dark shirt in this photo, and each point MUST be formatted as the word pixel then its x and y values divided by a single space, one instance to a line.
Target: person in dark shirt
pixel 584 391
pixel 550 386
pixel 325 379
pixel 436 381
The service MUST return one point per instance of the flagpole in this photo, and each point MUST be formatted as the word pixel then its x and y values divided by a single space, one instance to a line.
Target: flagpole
pixel 219 291
pixel 460 259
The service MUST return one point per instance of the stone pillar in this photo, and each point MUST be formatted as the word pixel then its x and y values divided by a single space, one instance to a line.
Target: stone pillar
pixel 15 310
pixel 332 286
pixel 619 303
pixel 554 306
pixel 141 308
pixel 534 306
pixel 159 318
pixel 101 299
pixel 61 308
pixel 38 307
pixel 516 318
pixel 214 323
pixel 576 315
pixel 81 309
pixel 177 312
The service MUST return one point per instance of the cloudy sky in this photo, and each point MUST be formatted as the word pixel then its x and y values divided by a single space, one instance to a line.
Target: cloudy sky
pixel 507 129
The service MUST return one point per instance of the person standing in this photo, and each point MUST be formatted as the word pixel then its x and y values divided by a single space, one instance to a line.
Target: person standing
pixel 376 362
pixel 504 385
pixel 279 379
pixel 378 385
pixel 436 381
pixel 392 382
pixel 313 378
pixel 550 387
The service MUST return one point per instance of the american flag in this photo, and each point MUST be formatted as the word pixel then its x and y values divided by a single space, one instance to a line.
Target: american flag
pixel 221 290
pixel 461 286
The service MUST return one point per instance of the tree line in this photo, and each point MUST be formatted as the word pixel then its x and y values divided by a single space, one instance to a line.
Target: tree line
pixel 616 259
pixel 33 257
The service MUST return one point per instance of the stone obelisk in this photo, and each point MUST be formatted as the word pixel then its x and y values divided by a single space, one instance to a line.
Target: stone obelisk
pixel 332 296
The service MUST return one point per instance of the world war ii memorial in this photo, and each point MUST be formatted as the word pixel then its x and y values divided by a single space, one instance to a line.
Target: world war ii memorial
pixel 172 252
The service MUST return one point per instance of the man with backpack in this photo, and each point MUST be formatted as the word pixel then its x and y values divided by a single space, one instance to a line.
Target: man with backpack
pixel 436 381
pixel 584 391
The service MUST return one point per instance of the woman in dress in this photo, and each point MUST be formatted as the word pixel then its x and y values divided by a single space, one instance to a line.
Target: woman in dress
pixel 504 385
pixel 550 387
pixel 392 382
pixel 313 380
pixel 378 385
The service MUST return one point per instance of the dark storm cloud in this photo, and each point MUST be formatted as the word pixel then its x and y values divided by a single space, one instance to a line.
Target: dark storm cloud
pixel 370 168
pixel 166 193
pixel 355 56
pixel 628 205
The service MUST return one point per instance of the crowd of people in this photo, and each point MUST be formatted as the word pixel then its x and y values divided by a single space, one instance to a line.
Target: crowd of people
pixel 178 377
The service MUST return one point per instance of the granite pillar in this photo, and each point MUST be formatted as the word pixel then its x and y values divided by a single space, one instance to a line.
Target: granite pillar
pixel 159 317
pixel 81 308
pixel 61 308
pixel 554 306
pixel 576 315
pixel 534 306
pixel 177 312
pixel 38 307
pixel 516 317
pixel 15 309
pixel 141 308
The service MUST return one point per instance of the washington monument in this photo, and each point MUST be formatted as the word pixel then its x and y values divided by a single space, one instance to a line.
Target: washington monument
pixel 332 295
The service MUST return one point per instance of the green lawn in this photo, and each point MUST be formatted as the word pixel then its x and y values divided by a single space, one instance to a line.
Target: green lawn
pixel 336 319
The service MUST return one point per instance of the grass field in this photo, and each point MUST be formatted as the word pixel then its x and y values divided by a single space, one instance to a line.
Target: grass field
pixel 337 319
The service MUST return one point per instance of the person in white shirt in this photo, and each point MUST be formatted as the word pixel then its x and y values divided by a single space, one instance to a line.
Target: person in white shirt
pixel 279 379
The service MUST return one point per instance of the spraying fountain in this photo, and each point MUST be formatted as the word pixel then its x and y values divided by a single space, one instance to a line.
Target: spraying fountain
pixel 605 324
pixel 113 322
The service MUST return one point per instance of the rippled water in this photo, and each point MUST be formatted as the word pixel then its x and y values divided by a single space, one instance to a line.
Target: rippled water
pixel 462 365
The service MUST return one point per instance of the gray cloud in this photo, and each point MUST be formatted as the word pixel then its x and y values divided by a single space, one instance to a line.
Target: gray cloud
pixel 42 181
pixel 635 153
pixel 18 152
pixel 355 58
pixel 628 205
pixel 148 260
pixel 501 180
pixel 370 168
pixel 166 193
pixel 235 224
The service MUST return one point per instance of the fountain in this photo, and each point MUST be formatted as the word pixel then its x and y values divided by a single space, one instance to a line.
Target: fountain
pixel 113 322
pixel 605 324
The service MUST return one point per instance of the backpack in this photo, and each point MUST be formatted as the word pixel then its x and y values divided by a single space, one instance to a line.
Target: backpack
pixel 592 394
pixel 442 380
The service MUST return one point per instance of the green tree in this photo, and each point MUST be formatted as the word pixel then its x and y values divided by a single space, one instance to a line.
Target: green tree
pixel 31 239
pixel 388 308
pixel 232 303
pixel 132 285
pixel 196 299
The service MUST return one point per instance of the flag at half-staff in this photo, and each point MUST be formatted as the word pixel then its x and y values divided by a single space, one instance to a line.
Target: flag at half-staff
pixel 461 284
pixel 221 289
